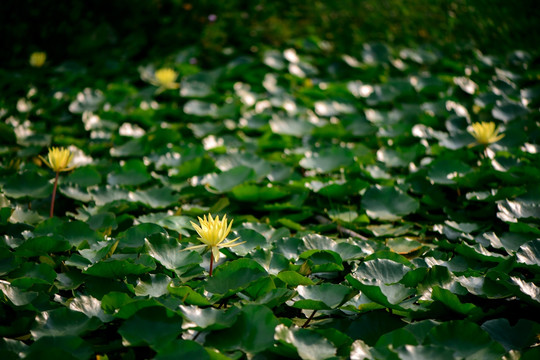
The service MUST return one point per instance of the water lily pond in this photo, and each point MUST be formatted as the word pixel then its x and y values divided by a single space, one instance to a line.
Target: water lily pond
pixel 381 204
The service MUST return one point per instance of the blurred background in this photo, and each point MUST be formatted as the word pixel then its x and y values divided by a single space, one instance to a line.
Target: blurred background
pixel 102 32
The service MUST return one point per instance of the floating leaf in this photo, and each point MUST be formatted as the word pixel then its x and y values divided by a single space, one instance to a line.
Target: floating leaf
pixel 168 252
pixel 234 275
pixel 328 160
pixel 512 337
pixel 155 197
pixel 388 203
pixel 447 171
pixel 309 344
pixel 252 332
pixel 63 322
pixel 384 270
pixel 154 286
pixel 227 180
pixel 153 326
pixel 321 297
pixel 291 126
pixel 133 172
pixel 466 339
pixel 118 268
pixel 182 349
pixel 27 184
pixel 529 253
pixel 209 318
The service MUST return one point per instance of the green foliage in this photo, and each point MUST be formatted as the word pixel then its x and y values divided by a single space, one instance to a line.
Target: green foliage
pixel 371 223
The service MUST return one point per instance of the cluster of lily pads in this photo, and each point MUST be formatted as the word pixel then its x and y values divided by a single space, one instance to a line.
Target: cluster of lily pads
pixel 385 204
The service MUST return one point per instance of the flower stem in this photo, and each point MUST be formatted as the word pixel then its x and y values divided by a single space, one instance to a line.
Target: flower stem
pixel 54 194
pixel 309 319
pixel 211 263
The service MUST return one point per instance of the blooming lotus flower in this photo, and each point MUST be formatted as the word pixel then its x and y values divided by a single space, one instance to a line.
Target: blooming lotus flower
pixel 37 59
pixel 58 159
pixel 166 78
pixel 212 232
pixel 485 133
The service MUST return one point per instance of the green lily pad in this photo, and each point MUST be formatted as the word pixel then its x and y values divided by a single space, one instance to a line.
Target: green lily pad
pixel 403 245
pixel 447 171
pixel 388 203
pixel 102 222
pixel 507 111
pixel 453 302
pixel 291 126
pixel 133 172
pixel 252 332
pixel 28 184
pixel 513 337
pixel 201 108
pixel 387 295
pixel 30 274
pixel 227 180
pixel 384 270
pixel 328 160
pixel 321 297
pixel 107 194
pixel 188 295
pixel 59 347
pixel 155 285
pixel 337 189
pixel 182 349
pixel 466 339
pixel 84 176
pixel 209 318
pixel 40 245
pixel 323 260
pixel 234 275
pixel 117 267
pixel 261 166
pixel 529 253
pixel 63 322
pixel 292 278
pixel 252 240
pixel 308 344
pixel 180 224
pixel 257 194
pixel 135 236
pixel 155 197
pixel 168 252
pixel 17 296
pixel 198 85
pixel 512 210
pixel 434 352
pixel 152 326
pixel 89 306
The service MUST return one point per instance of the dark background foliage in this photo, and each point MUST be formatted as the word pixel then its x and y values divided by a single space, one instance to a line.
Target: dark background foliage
pixel 133 30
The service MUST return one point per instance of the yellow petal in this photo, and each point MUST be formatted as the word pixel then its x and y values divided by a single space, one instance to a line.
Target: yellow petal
pixel 215 253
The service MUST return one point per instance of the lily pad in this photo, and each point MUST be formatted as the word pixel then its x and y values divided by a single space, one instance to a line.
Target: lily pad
pixel 328 160
pixel 388 203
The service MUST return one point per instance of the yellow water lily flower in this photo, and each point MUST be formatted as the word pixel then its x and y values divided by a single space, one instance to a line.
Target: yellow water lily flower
pixel 58 159
pixel 485 133
pixel 212 232
pixel 37 59
pixel 166 78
